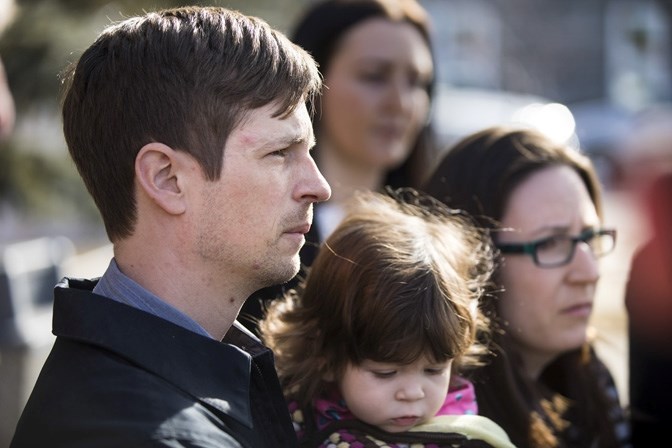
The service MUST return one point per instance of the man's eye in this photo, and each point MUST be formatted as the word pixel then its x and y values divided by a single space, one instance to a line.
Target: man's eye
pixel 280 152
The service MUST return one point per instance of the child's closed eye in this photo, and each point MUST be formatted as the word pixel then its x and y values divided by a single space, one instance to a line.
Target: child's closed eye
pixel 384 373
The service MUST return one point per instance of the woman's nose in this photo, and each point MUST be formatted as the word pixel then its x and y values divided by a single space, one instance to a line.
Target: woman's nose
pixel 400 95
pixel 586 267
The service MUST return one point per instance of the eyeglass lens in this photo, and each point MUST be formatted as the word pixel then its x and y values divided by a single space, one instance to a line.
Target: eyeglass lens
pixel 560 249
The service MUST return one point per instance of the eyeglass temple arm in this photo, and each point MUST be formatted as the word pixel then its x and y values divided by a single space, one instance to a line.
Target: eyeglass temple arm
pixel 515 248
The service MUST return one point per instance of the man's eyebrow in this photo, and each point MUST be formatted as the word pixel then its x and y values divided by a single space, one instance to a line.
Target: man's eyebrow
pixel 297 139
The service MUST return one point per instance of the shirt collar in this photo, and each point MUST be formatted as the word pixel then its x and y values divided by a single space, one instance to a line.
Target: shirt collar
pixel 115 285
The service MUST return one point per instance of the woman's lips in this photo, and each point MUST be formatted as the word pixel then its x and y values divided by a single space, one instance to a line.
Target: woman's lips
pixel 579 310
pixel 391 132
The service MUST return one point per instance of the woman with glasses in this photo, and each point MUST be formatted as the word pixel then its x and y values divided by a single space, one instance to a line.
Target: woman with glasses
pixel 541 201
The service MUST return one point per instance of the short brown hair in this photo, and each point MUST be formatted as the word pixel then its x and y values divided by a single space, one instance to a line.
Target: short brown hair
pixel 184 77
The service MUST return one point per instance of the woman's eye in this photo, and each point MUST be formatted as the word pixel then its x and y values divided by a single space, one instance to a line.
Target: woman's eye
pixel 384 374
pixel 551 242
pixel 418 81
pixel 435 371
pixel 376 78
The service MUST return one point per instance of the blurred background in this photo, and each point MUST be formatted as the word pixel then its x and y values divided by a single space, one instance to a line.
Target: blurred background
pixel 596 74
pixel 595 64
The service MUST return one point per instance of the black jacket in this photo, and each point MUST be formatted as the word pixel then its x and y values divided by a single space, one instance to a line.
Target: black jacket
pixel 120 377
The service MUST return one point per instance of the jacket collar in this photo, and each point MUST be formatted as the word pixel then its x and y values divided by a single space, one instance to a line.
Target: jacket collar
pixel 215 373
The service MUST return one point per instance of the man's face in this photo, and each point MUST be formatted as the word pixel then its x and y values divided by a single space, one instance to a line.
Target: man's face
pixel 252 221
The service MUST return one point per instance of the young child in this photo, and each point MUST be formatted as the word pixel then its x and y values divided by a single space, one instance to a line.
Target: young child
pixel 364 349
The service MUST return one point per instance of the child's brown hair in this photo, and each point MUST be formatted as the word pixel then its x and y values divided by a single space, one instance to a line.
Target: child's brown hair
pixel 399 278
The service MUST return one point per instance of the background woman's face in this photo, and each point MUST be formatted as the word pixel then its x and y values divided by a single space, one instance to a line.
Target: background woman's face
pixel 375 102
pixel 548 309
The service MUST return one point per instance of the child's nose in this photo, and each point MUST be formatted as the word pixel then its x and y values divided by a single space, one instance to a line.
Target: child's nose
pixel 410 392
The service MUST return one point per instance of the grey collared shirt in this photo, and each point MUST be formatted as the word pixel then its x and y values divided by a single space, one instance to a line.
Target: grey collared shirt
pixel 115 285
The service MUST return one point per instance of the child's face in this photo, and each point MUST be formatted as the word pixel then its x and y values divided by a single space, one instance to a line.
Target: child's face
pixel 395 397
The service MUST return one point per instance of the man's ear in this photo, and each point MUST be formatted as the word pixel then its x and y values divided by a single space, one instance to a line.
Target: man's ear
pixel 159 170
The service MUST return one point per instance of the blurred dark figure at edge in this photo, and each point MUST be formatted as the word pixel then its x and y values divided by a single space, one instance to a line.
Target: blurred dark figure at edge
pixel 649 304
pixel 646 154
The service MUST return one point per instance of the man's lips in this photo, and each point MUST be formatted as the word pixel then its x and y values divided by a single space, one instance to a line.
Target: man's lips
pixel 302 229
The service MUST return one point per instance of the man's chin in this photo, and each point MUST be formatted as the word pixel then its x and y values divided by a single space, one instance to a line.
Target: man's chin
pixel 281 276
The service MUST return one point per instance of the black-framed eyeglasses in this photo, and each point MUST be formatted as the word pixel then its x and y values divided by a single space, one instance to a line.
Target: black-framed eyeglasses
pixel 558 250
